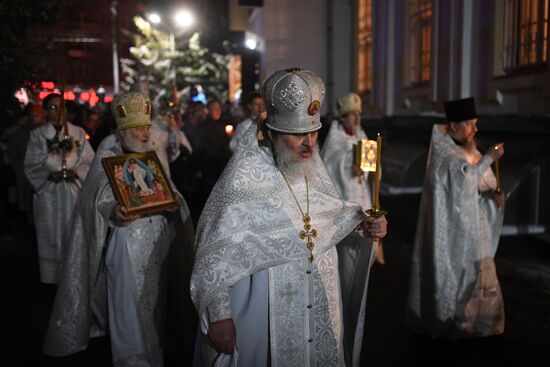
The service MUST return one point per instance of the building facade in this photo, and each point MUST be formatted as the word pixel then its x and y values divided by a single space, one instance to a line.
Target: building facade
pixel 406 57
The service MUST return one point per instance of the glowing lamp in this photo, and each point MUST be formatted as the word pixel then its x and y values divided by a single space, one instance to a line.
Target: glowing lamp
pixel 48 85
pixel 69 96
pixel 229 130
pixel 43 95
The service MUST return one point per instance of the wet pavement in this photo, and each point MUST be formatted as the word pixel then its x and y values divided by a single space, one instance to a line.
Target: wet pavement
pixel 523 267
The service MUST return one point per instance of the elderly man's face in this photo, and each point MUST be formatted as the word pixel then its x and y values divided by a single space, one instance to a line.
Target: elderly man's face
pixel 136 139
pixel 301 146
pixel 464 131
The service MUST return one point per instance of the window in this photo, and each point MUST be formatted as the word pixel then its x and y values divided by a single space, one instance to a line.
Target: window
pixel 364 46
pixel 526 33
pixel 420 30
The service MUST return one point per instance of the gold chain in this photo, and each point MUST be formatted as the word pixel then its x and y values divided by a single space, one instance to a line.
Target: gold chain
pixel 308 233
pixel 294 196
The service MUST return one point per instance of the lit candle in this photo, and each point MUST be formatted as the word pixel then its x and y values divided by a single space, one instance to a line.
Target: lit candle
pixel 376 204
pixel 497 174
pixel 229 130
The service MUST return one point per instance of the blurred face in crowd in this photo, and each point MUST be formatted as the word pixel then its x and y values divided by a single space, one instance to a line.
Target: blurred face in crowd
pixel 215 111
pixel 197 116
pixel 36 115
pixel 53 110
pixel 93 121
pixel 296 154
pixel 256 107
pixel 351 120
pixel 464 132
pixel 136 139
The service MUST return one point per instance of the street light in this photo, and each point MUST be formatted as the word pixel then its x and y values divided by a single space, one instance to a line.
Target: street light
pixel 184 19
pixel 251 43
pixel 154 18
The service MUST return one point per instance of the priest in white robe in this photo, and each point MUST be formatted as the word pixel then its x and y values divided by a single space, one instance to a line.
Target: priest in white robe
pixel 280 276
pixel 126 275
pixel 337 152
pixel 55 168
pixel 454 290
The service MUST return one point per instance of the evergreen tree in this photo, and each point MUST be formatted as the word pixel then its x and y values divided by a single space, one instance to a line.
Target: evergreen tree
pixel 156 58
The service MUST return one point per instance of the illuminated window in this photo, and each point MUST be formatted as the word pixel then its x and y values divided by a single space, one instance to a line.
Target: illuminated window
pixel 526 42
pixel 364 46
pixel 420 30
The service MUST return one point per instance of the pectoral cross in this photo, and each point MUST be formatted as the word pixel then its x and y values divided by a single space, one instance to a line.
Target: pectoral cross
pixel 308 234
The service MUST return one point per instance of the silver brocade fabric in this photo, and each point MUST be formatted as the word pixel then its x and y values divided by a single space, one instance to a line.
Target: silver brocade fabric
pixel 240 130
pixel 251 222
pixel 80 307
pixel 54 202
pixel 454 290
pixel 337 153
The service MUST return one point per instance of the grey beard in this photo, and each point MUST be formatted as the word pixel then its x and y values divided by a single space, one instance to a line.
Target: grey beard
pixel 292 169
pixel 131 144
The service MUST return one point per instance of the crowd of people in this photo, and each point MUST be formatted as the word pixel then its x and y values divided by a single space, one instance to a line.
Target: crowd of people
pixel 264 259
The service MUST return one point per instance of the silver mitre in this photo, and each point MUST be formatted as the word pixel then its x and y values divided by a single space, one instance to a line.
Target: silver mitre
pixel 293 98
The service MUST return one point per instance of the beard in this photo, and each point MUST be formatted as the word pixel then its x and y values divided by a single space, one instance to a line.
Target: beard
pixel 294 168
pixel 132 144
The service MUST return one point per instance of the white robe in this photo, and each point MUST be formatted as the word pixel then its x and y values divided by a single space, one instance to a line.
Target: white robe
pixel 454 290
pixel 144 271
pixel 337 153
pixel 239 133
pixel 54 202
pixel 251 265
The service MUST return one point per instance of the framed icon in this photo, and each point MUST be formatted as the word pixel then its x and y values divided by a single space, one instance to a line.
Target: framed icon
pixel 139 183
pixel 364 155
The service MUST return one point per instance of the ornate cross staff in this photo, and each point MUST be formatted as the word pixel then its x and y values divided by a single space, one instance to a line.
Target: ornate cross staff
pixel 65 139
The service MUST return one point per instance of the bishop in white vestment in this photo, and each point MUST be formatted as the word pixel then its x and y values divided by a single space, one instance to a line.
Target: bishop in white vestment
pixel 280 276
pixel 125 275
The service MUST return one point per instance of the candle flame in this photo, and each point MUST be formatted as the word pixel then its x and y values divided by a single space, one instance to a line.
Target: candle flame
pixel 229 130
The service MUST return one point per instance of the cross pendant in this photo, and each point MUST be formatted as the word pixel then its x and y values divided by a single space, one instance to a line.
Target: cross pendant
pixel 308 234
